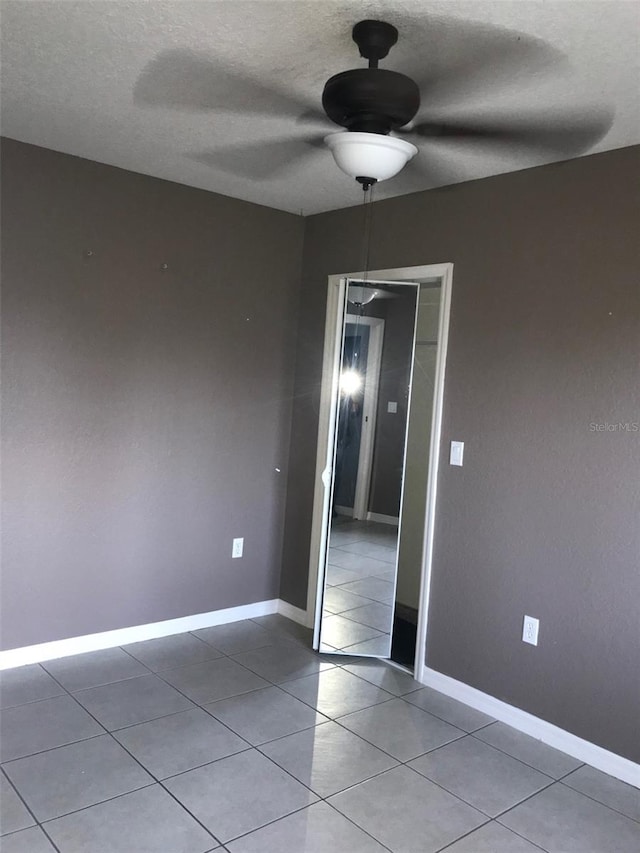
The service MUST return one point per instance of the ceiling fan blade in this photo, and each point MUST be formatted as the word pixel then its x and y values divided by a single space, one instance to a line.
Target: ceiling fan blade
pixel 456 55
pixel 424 171
pixel 259 160
pixel 317 117
pixel 182 79
pixel 560 134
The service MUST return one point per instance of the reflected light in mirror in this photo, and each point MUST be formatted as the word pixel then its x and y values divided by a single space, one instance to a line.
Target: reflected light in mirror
pixel 350 382
pixel 361 295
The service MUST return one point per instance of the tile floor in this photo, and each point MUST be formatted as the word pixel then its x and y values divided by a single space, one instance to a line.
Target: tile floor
pixel 239 738
pixel 358 600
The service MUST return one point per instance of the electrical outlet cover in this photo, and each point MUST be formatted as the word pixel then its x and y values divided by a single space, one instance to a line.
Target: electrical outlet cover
pixel 530 628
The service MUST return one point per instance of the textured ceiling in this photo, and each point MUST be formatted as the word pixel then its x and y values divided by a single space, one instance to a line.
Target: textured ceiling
pixel 172 88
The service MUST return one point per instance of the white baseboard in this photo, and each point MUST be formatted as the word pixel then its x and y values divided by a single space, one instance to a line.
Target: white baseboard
pixel 121 636
pixel 383 519
pixel 371 516
pixel 296 614
pixel 344 510
pixel 583 750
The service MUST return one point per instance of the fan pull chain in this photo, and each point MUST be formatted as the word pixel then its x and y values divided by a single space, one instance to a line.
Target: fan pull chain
pixel 366 250
pixel 368 216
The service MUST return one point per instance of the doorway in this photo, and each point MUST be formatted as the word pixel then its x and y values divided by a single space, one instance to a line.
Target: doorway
pixel 414 550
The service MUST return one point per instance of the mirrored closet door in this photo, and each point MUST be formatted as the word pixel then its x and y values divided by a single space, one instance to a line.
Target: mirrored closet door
pixel 368 472
pixel 376 480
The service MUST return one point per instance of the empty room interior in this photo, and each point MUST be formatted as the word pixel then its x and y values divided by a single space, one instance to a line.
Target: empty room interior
pixel 320 426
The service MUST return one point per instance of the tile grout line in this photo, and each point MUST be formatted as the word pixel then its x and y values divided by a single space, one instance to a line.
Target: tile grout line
pixel 493 820
pixel 556 782
pixel 397 696
pixel 271 822
pixel 531 766
pixel 51 748
pixel 514 758
pixel 334 793
pixel 593 799
pixel 362 829
pixel 520 835
pixel 49 838
pixel 22 800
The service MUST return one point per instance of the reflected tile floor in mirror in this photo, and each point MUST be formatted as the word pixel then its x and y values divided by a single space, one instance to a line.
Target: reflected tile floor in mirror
pixel 358 601
pixel 239 738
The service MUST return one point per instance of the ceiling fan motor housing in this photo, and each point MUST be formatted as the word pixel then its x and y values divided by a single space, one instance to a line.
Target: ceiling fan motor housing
pixel 371 100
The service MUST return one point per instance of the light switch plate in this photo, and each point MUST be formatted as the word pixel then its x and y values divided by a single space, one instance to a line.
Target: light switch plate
pixel 392 408
pixel 457 453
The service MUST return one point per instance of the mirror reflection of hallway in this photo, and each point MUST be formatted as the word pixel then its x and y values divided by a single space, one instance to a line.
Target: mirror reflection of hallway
pixel 368 471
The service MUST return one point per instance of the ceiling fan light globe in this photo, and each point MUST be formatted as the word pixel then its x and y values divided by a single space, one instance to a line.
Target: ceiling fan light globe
pixel 359 295
pixel 369 155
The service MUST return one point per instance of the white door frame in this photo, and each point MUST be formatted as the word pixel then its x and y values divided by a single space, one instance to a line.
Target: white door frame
pixel 326 437
pixel 369 410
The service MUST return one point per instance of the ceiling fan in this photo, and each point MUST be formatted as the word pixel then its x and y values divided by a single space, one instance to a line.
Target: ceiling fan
pixel 375 107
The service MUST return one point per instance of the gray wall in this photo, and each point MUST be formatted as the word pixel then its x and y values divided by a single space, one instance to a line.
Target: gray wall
pixel 544 518
pixel 144 412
